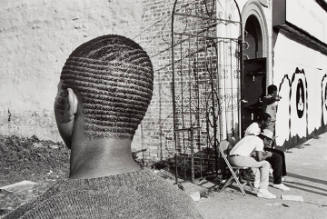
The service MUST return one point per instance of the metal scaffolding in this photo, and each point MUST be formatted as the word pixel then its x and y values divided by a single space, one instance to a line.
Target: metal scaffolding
pixel 197 77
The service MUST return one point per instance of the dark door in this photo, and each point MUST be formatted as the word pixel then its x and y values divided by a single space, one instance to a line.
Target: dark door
pixel 253 89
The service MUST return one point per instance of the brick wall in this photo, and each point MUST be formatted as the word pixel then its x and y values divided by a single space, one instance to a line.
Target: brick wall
pixel 155 133
pixel 157 127
pixel 196 73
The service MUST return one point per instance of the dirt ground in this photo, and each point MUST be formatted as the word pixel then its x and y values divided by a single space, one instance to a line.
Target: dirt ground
pixel 43 162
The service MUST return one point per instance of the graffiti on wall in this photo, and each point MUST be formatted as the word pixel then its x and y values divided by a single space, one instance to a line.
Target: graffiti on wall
pixel 295 90
pixel 324 100
pixel 300 101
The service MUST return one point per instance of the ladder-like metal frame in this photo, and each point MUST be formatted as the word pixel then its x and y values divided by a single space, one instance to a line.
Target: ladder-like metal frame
pixel 189 57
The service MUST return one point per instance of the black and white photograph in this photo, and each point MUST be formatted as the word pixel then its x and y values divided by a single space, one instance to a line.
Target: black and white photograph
pixel 172 109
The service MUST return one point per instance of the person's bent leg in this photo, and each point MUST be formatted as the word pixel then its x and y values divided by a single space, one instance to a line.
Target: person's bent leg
pixel 243 161
pixel 264 181
pixel 256 173
pixel 283 161
pixel 282 154
pixel 276 163
pixel 264 173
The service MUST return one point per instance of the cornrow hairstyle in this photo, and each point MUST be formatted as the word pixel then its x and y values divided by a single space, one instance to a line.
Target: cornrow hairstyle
pixel 113 76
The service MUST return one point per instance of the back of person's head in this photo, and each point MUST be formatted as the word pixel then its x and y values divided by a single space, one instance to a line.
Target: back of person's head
pixel 272 88
pixel 262 116
pixel 112 77
pixel 262 119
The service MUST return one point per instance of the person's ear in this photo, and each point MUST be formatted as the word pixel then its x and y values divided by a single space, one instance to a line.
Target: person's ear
pixel 66 107
pixel 73 102
pixel 66 104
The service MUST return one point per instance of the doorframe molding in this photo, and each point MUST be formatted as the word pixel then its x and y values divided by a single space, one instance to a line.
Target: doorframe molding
pixel 254 8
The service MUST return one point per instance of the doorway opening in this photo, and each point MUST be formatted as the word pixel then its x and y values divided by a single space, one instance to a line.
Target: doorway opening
pixel 253 79
pixel 253 39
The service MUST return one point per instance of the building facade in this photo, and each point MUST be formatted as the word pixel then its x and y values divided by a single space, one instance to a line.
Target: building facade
pixel 299 68
pixel 213 61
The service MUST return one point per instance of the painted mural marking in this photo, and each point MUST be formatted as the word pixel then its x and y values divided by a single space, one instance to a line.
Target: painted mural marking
pixel 300 106
pixel 300 98
pixel 323 100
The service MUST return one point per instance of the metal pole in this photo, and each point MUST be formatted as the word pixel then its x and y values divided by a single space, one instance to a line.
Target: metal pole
pixel 214 117
pixel 173 85
pixel 241 71
pixel 192 155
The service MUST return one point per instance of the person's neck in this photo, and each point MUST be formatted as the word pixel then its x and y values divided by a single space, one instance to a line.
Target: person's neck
pixel 101 157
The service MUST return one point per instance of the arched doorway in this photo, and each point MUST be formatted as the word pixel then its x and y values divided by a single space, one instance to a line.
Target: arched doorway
pixel 253 39
pixel 255 52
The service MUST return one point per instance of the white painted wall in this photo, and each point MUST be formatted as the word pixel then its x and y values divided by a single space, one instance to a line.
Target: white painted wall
pixel 309 16
pixel 290 55
pixel 36 37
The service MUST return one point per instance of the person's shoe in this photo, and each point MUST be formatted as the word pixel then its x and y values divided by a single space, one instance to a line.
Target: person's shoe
pixel 256 184
pixel 281 186
pixel 264 193
pixel 255 190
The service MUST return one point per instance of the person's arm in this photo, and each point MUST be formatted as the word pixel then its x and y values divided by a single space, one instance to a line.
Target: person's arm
pixel 269 99
pixel 262 155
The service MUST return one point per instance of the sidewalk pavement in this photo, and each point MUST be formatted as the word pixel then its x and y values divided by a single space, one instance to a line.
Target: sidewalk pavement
pixel 307 177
